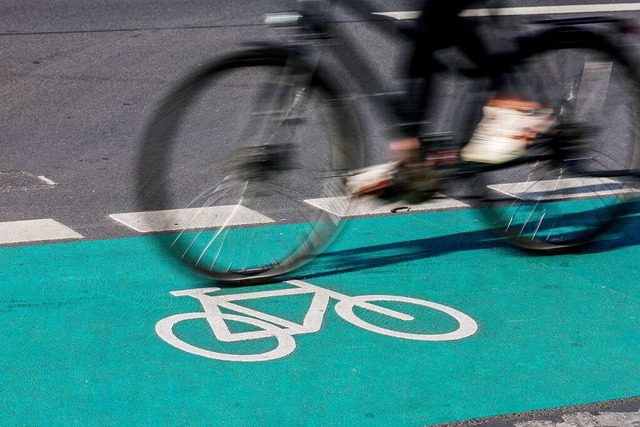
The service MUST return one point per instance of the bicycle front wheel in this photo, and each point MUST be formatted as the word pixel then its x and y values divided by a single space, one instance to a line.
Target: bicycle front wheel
pixel 573 184
pixel 243 165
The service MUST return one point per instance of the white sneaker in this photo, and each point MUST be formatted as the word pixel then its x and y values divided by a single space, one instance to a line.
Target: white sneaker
pixel 506 130
pixel 372 179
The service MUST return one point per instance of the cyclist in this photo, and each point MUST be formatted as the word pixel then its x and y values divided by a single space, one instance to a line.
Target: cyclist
pixel 507 125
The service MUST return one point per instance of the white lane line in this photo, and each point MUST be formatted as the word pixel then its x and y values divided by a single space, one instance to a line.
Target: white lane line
pixel 373 206
pixel 573 188
pixel 192 218
pixel 530 10
pixel 46 180
pixel 35 231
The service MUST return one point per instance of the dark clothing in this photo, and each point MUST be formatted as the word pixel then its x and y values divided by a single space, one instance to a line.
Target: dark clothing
pixel 439 27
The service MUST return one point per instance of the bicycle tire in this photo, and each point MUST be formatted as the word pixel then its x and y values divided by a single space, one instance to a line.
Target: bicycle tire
pixel 584 176
pixel 252 204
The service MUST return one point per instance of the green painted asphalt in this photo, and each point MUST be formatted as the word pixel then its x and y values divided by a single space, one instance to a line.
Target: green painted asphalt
pixel 79 345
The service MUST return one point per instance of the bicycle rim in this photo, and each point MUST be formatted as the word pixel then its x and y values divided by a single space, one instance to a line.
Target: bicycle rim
pixel 579 182
pixel 244 163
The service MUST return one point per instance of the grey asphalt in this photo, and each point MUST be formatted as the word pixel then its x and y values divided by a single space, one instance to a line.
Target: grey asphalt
pixel 612 413
pixel 79 81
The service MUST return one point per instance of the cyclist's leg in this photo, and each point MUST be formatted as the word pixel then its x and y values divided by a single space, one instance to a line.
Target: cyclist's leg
pixel 439 27
pixel 509 123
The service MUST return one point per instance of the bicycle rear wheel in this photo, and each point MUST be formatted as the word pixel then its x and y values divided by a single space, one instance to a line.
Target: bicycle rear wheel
pixel 574 184
pixel 244 163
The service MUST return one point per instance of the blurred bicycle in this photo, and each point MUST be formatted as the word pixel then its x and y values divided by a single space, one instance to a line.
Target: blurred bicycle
pixel 269 135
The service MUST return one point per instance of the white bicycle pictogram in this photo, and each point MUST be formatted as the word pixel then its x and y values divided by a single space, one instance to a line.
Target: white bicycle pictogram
pixel 269 326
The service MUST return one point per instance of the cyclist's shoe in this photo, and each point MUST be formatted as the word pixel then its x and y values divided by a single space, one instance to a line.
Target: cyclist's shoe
pixel 506 130
pixel 372 180
pixel 414 182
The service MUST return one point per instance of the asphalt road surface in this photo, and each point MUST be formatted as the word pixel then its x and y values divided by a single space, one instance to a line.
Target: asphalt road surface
pixel 79 81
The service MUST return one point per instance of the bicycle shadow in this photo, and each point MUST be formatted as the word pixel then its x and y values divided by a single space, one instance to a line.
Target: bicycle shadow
pixel 336 261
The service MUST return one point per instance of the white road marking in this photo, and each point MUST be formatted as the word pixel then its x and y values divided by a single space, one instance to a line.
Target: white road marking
pixel 46 180
pixel 573 188
pixel 267 325
pixel 531 10
pixel 192 218
pixel 21 180
pixel 34 231
pixel 373 206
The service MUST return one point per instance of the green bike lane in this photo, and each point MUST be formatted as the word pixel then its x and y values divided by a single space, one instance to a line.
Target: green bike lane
pixel 79 345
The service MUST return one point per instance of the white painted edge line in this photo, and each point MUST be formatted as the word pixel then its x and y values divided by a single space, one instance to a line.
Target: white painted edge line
pixel 46 180
pixel 35 231
pixel 530 10
pixel 191 218
pixel 372 206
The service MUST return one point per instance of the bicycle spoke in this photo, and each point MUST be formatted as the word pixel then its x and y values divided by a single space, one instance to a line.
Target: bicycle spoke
pixel 568 200
pixel 209 203
pixel 223 227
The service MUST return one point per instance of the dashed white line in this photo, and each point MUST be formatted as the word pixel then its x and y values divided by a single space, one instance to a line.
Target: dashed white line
pixel 35 231
pixel 179 219
pixel 194 218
